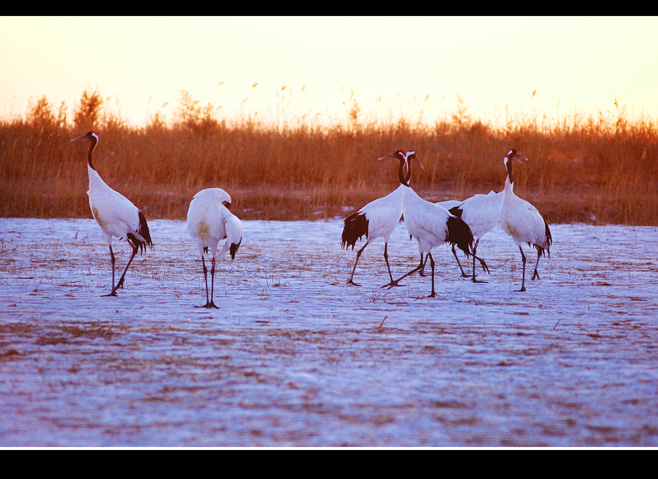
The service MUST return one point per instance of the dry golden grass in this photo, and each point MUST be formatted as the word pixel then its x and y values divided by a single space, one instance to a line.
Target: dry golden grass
pixel 602 171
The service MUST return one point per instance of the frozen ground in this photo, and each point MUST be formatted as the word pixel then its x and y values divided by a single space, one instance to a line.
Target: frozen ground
pixel 296 357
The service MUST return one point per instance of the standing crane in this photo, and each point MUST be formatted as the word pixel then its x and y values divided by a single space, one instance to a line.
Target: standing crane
pixel 115 214
pixel 209 221
pixel 377 219
pixel 481 216
pixel 431 224
pixel 480 212
pixel 521 220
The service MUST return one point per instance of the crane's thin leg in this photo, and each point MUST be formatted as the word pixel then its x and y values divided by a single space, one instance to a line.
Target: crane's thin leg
pixel 422 270
pixel 454 253
pixel 433 294
pixel 485 268
pixel 209 303
pixel 205 277
pixel 535 275
pixel 388 266
pixel 113 293
pixel 212 290
pixel 120 283
pixel 113 263
pixel 523 280
pixel 358 255
pixel 396 281
pixel 393 282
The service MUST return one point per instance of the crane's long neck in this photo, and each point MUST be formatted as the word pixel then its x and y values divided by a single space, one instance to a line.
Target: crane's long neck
pixel 509 180
pixel 405 179
pixel 92 145
pixel 95 181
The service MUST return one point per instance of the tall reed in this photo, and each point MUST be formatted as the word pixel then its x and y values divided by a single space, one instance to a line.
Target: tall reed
pixel 601 170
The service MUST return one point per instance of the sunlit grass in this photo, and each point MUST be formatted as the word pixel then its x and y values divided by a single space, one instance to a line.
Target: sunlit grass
pixel 582 169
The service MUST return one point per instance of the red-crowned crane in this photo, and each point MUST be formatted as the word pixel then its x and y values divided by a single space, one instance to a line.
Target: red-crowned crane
pixel 521 220
pixel 115 214
pixel 481 213
pixel 447 204
pixel 481 216
pixel 209 221
pixel 431 225
pixel 377 219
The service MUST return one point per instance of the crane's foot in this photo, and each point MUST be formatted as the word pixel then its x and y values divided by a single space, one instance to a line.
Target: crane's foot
pixel 349 281
pixel 535 275
pixel 520 290
pixel 208 305
pixel 392 284
pixel 479 280
pixel 432 295
pixel 113 293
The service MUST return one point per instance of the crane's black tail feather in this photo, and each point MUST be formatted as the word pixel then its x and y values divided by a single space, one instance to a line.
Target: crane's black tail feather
pixel 460 234
pixel 141 243
pixel 355 227
pixel 546 249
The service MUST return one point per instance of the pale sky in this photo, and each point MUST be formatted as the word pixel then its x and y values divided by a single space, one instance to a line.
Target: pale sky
pixel 389 64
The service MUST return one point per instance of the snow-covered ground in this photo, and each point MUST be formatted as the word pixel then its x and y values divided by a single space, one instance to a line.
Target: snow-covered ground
pixel 296 357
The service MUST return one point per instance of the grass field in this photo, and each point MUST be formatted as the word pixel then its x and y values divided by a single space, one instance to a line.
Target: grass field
pixel 594 170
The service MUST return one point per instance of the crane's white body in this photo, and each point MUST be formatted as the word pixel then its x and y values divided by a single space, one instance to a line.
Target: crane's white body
pixel 432 225
pixel 116 215
pixel 384 214
pixel 481 212
pixel 447 204
pixel 522 221
pixel 209 221
pixel 425 221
